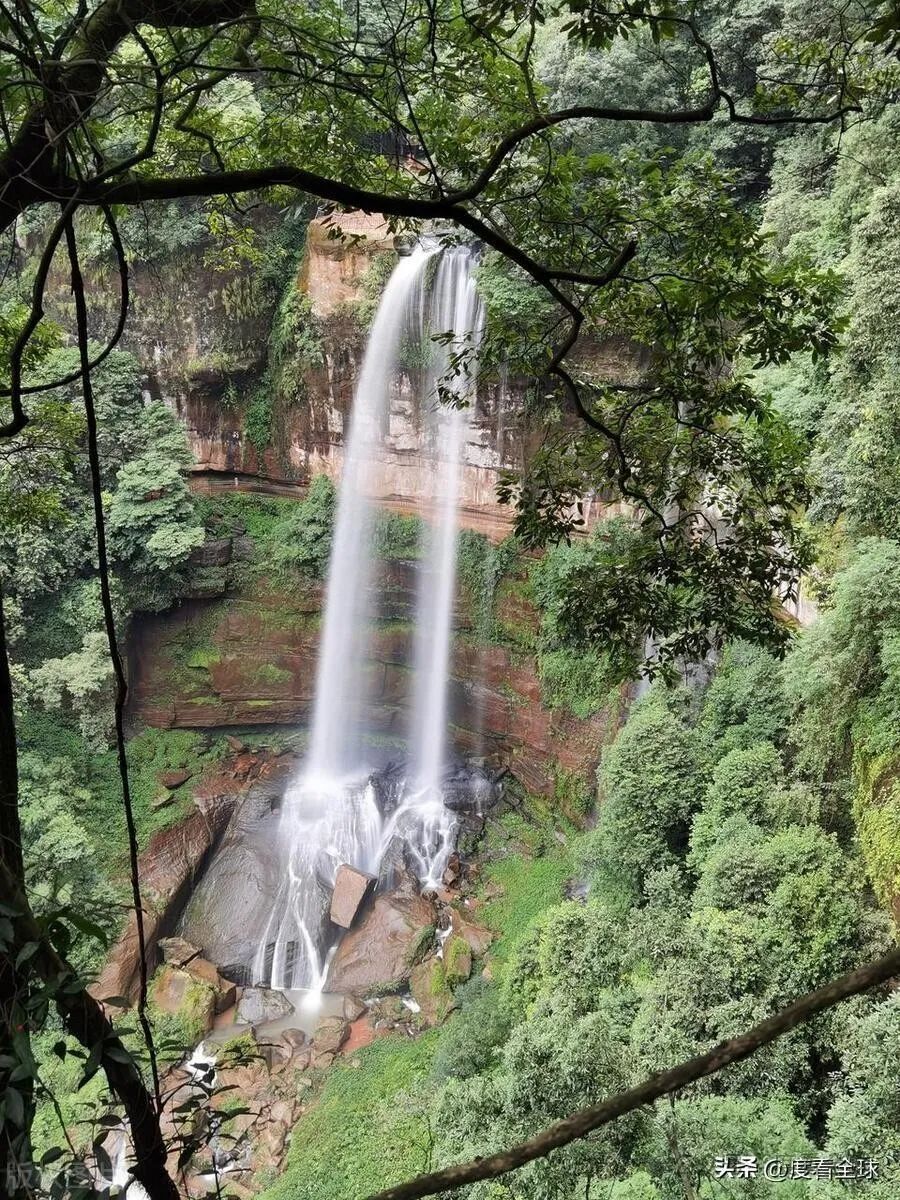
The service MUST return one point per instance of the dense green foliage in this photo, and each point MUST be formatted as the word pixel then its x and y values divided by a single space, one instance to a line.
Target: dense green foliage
pixel 708 842
pixel 366 1122
pixel 738 389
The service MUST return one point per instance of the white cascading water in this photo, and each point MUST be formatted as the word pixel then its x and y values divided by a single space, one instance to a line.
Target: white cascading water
pixel 331 814
pixel 455 309
pixel 337 727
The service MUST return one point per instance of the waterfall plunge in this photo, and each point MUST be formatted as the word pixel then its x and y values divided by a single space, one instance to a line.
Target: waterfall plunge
pixel 455 310
pixel 331 814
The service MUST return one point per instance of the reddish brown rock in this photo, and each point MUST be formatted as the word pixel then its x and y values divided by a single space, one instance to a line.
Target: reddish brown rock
pixel 119 978
pixel 362 1033
pixel 451 871
pixel 330 1035
pixel 177 950
pixel 176 990
pixel 495 692
pixel 174 779
pixel 477 937
pixel 351 887
pixel 379 953
pixel 224 990
pixel 167 870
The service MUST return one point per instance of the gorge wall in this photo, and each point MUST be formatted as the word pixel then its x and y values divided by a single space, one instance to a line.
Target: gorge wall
pixel 248 660
pixel 264 386
pixel 263 382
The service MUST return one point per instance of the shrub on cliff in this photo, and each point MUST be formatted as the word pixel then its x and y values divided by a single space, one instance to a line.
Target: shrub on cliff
pixel 305 534
pixel 650 784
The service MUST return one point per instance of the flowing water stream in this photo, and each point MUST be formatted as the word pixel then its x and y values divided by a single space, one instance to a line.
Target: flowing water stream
pixel 333 813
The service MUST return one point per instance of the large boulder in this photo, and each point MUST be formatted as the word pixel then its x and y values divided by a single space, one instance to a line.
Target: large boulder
pixel 177 950
pixel 378 955
pixel 258 1006
pixel 215 552
pixel 177 993
pixel 331 1033
pixel 477 937
pixel 228 912
pixel 224 990
pixel 350 889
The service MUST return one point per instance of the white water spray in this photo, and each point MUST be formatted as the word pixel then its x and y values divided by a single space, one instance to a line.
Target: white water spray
pixel 457 317
pixel 341 693
pixel 331 813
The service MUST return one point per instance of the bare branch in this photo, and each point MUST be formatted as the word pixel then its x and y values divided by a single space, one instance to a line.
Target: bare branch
pixel 583 1122
pixel 110 626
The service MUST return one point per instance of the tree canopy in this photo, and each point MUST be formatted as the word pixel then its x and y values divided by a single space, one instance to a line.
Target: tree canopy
pixel 610 161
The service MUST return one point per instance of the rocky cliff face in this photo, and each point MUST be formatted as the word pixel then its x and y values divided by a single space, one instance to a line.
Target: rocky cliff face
pixel 217 343
pixel 249 660
pixel 265 387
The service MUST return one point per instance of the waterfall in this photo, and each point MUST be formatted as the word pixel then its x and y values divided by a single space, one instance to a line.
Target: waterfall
pixel 456 316
pixel 341 693
pixel 331 812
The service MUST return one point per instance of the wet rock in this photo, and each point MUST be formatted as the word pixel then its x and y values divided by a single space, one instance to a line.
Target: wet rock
pixel 174 779
pixel 289 1047
pixel 391 1009
pixel 451 871
pixel 177 950
pixel 227 914
pixel 330 1035
pixel 351 887
pixel 353 1008
pixel 258 1006
pixel 378 955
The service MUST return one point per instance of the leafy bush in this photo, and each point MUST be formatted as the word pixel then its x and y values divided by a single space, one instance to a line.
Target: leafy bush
pixel 471 1040
pixel 305 534
pixel 396 536
pixel 363 1122
pixel 649 786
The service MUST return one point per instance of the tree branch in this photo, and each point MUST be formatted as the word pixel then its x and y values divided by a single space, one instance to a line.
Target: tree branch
pixel 28 168
pixel 583 1122
pixel 86 1021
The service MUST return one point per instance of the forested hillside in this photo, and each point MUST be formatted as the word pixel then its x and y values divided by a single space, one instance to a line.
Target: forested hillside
pixel 670 624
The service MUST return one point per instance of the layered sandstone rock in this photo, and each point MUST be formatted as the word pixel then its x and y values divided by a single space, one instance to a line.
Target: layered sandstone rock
pixel 259 669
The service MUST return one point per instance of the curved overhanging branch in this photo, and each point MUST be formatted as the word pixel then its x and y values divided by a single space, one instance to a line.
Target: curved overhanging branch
pixel 586 1120
pixel 72 86
pixel 83 1017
